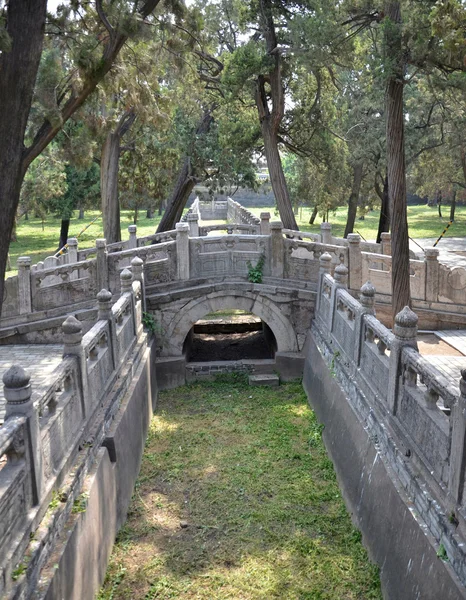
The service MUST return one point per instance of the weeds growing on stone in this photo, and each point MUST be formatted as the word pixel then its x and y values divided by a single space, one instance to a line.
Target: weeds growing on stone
pixel 237 499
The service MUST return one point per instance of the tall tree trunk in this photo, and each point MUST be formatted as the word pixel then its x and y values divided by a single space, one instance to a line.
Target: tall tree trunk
pixel 185 181
pixel 109 164
pixel 384 219
pixel 453 205
pixel 81 214
pixel 396 170
pixel 64 228
pixel 25 21
pixel 315 211
pixel 150 213
pixel 354 198
pixel 277 176
pixel 270 119
pixel 184 186
pixel 109 188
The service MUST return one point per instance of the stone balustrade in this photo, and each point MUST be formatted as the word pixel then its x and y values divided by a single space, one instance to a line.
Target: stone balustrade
pixel 40 290
pixel 415 415
pixel 51 443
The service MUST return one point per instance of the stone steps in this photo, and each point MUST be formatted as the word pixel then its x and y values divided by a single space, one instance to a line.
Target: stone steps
pixel 264 379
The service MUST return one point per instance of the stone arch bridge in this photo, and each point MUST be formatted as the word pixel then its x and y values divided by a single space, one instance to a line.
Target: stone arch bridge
pixel 73 436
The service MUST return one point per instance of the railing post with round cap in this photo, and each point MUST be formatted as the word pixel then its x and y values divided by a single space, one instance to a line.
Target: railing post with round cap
pixel 126 286
pixel 405 330
pixel 325 264
pixel 137 269
pixel 105 313
pixel 367 302
pixel 340 276
pixel 18 396
pixel 72 338
pixel 458 446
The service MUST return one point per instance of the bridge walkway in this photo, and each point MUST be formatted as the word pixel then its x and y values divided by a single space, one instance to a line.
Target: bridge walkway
pixel 39 360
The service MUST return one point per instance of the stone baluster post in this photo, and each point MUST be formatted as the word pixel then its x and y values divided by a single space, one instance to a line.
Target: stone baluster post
pixel 326 233
pixel 325 265
pixel 340 276
pixel 432 274
pixel 72 338
pixel 126 287
pixel 182 251
pixel 18 396
pixel 386 242
pixel 277 246
pixel 133 237
pixel 72 250
pixel 137 269
pixel 367 301
pixel 102 264
pixel 193 223
pixel 265 223
pixel 104 299
pixel 458 447
pixel 355 261
pixel 72 256
pixel 405 330
pixel 24 284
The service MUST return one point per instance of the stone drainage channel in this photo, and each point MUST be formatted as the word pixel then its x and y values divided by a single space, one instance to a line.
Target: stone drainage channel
pixel 231 343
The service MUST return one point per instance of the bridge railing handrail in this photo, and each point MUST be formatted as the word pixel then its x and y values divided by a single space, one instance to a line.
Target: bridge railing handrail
pixel 423 409
pixel 41 438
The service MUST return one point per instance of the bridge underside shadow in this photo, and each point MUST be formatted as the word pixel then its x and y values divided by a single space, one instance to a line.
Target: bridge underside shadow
pixel 285 311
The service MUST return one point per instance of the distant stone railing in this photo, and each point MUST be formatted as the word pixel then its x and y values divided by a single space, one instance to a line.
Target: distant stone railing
pixel 44 444
pixel 416 416
pixel 37 290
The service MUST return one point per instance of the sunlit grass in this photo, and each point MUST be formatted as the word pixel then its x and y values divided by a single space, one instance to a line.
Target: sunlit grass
pixel 238 501
pixel 423 221
pixel 39 239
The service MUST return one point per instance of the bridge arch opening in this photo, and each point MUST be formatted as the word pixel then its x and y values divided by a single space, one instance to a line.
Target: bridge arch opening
pixel 229 335
pixel 179 328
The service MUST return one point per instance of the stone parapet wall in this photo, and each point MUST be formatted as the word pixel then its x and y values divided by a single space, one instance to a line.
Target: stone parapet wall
pixel 48 448
pixel 414 416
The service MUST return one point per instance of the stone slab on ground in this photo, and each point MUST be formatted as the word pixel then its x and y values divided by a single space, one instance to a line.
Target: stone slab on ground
pixel 455 338
pixel 38 360
pixel 264 379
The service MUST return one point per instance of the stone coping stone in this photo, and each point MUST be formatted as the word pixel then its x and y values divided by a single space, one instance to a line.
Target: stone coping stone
pixel 271 380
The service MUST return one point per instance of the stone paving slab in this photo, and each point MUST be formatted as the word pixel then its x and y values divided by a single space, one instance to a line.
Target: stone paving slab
pixel 39 360
pixel 452 251
pixel 455 338
pixel 449 366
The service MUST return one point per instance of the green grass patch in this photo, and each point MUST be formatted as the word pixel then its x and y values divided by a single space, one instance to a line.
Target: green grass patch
pixel 237 499
pixel 423 221
pixel 39 239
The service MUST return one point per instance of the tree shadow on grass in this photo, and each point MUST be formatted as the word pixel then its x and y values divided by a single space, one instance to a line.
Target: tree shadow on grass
pixel 237 498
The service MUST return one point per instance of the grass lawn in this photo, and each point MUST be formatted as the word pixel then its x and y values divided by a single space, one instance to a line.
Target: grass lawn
pixel 39 240
pixel 423 222
pixel 237 499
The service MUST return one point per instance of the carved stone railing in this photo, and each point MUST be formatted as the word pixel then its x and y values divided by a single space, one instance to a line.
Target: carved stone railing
pixel 416 415
pixel 42 441
pixel 39 289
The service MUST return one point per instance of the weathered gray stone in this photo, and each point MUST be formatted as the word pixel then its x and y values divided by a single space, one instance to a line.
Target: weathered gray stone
pixel 260 380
